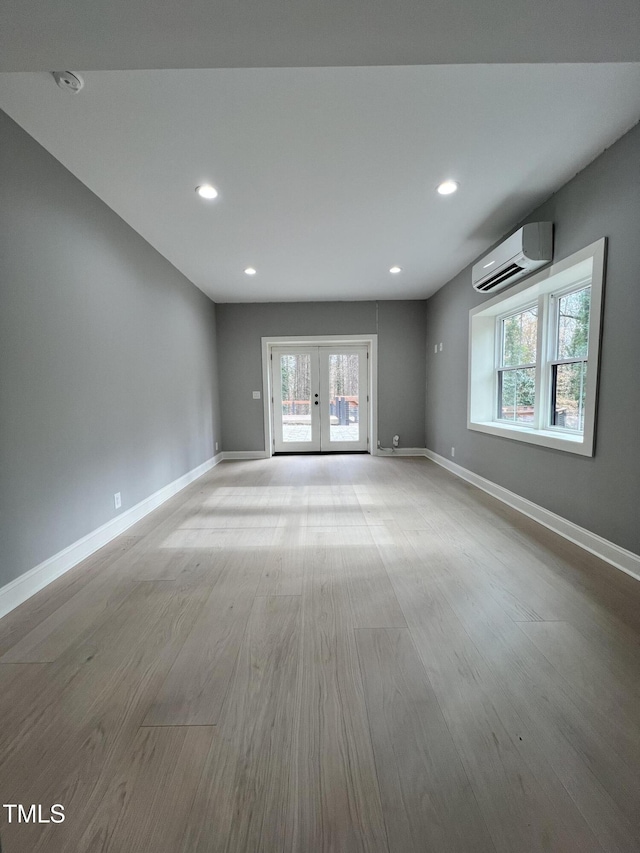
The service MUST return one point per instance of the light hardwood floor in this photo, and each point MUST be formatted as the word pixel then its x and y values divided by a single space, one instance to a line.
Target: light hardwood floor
pixel 340 653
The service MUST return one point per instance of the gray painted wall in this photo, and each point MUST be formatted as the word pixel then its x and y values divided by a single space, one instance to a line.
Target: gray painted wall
pixel 601 493
pixel 401 361
pixel 107 361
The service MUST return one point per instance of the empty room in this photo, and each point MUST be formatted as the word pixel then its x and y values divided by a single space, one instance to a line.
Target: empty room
pixel 319 404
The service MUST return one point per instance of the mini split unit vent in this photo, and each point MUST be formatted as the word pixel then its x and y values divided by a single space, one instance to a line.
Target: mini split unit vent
pixel 527 250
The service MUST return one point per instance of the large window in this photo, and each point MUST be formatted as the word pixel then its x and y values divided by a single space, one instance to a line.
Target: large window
pixel 534 356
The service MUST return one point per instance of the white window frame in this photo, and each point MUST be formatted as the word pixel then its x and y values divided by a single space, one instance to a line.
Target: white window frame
pixel 568 275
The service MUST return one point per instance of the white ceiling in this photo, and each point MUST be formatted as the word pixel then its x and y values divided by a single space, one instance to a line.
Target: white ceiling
pixel 326 174
pixel 40 35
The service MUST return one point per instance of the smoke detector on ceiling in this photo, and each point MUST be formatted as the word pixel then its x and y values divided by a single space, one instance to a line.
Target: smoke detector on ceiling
pixel 69 81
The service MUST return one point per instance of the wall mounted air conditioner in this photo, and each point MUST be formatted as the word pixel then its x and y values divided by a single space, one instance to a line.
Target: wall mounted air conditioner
pixel 530 248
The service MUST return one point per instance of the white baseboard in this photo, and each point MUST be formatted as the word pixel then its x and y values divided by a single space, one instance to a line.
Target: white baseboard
pixel 32 581
pixel 400 451
pixel 244 454
pixel 619 557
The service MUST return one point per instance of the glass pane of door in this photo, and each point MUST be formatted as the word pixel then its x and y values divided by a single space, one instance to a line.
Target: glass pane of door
pixel 295 371
pixel 344 396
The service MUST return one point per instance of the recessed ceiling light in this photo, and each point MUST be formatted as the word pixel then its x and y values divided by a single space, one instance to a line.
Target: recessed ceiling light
pixel 447 187
pixel 250 271
pixel 395 270
pixel 207 191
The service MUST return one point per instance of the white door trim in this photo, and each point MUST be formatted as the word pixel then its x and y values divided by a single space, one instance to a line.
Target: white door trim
pixel 318 340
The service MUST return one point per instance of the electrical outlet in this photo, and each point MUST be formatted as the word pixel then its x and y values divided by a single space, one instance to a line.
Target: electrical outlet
pixel 396 440
pixel 453 451
pixel 256 395
pixel 117 500
pixel 440 346
pixel 216 445
pixel 435 348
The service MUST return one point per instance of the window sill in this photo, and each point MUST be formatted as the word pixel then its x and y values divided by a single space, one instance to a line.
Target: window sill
pixel 568 442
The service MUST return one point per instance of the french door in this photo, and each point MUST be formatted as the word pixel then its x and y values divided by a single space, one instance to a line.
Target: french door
pixel 320 398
